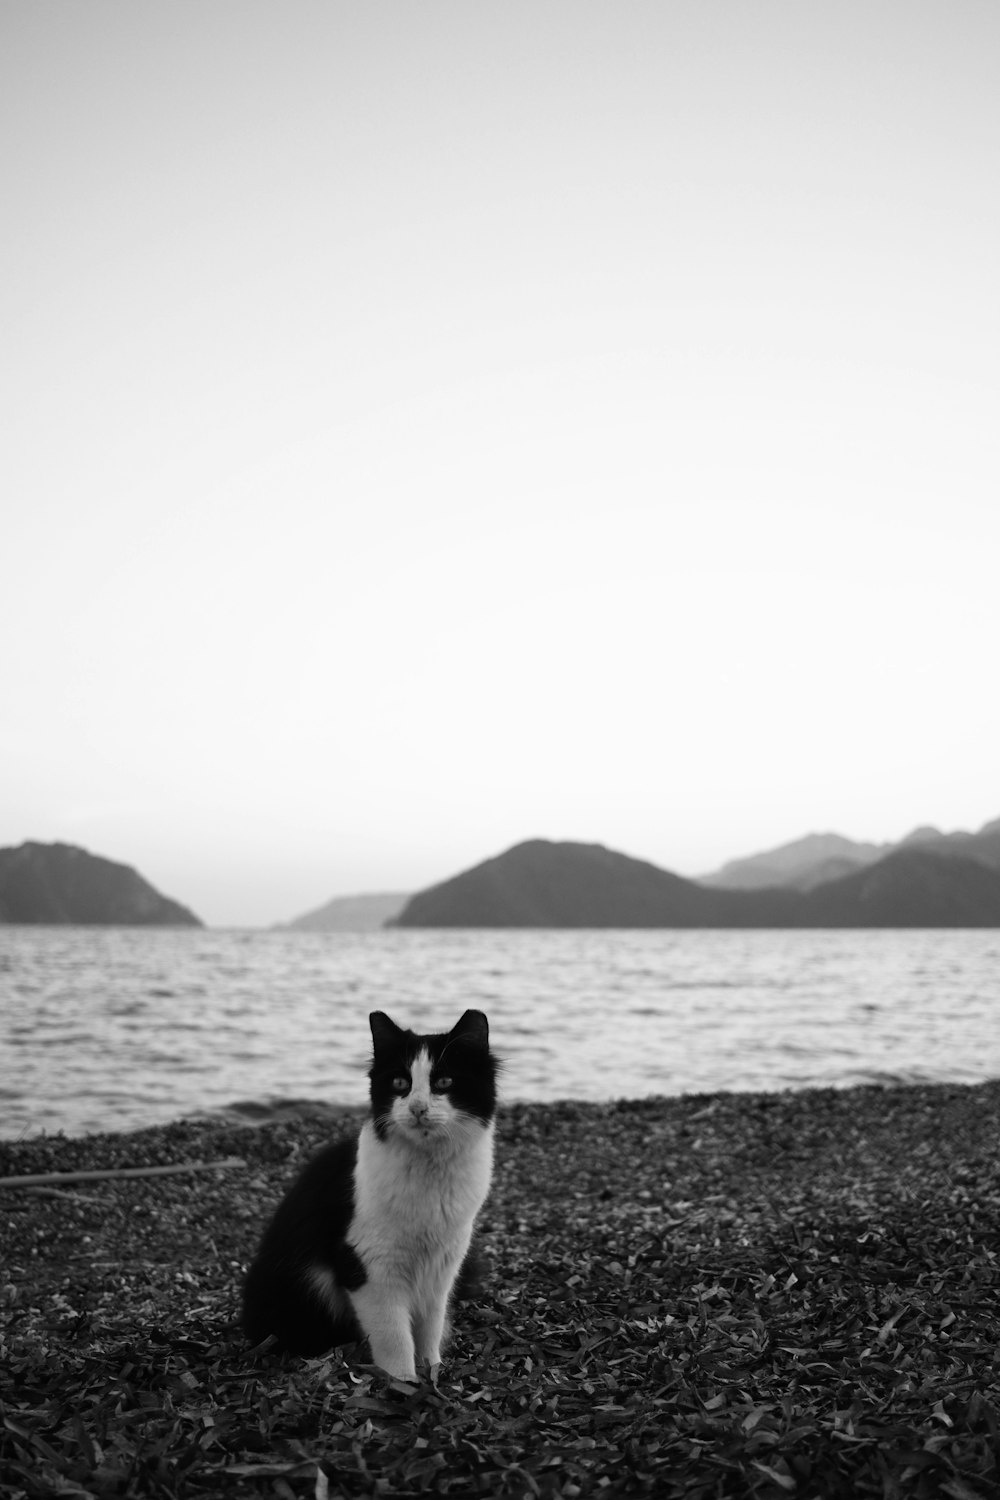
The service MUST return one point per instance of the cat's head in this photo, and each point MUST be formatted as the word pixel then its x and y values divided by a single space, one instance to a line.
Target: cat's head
pixel 426 1087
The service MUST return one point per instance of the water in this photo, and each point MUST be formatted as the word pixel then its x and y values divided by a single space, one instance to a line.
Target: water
pixel 116 1028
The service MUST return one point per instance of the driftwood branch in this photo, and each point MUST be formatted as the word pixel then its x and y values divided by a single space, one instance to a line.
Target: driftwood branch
pixel 186 1166
pixel 50 1192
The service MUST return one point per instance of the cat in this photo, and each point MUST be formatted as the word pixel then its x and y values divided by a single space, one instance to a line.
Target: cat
pixel 371 1238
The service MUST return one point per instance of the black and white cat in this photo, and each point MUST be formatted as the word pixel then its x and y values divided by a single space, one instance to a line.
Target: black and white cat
pixel 370 1239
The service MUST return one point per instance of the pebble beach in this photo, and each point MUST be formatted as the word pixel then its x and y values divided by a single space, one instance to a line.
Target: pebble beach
pixel 725 1294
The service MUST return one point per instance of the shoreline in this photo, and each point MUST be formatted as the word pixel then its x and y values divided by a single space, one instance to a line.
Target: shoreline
pixel 261 1113
pixel 700 1290
pixel 303 1125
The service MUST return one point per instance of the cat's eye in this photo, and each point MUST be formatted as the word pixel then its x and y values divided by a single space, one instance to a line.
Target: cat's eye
pixel 400 1084
pixel 441 1085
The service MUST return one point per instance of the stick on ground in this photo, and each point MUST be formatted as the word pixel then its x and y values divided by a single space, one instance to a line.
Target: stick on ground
pixel 183 1166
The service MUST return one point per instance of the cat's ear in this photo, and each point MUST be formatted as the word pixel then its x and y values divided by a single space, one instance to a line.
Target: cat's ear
pixel 473 1029
pixel 385 1032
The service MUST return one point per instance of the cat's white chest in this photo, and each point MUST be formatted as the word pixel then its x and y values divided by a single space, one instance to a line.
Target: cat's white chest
pixel 415 1206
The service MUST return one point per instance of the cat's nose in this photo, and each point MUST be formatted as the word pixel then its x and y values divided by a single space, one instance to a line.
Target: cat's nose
pixel 418 1108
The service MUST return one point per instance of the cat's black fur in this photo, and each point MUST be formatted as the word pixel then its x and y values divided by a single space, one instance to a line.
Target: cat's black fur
pixel 310 1224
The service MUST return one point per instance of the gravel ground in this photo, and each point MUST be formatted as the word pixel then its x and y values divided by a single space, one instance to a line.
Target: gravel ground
pixel 736 1294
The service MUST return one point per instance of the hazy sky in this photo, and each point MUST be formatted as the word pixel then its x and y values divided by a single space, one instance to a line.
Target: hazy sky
pixel 433 425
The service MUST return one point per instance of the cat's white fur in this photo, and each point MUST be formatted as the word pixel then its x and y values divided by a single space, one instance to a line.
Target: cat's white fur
pixel 417 1194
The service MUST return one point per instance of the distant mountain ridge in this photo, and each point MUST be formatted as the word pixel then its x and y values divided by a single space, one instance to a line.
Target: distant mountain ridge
pixel 984 845
pixel 544 884
pixel 916 886
pixel 819 857
pixel 803 863
pixel 351 913
pixel 928 879
pixel 43 884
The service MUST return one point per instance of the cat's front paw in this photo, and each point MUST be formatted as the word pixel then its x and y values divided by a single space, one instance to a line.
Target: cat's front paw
pixel 395 1357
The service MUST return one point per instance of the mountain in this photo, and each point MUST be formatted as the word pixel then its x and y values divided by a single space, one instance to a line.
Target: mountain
pixel 821 857
pixel 803 863
pixel 543 884
pixel 351 914
pixel 925 834
pixel 984 845
pixel 914 886
pixel 60 883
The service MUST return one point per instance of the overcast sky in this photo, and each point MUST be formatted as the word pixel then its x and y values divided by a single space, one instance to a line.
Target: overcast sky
pixel 432 425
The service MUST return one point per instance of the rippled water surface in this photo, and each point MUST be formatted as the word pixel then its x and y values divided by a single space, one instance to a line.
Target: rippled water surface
pixel 114 1028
